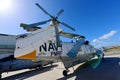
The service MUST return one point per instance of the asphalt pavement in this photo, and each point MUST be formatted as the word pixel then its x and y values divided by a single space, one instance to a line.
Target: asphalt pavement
pixel 108 69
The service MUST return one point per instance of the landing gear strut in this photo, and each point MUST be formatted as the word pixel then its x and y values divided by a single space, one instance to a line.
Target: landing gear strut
pixel 40 67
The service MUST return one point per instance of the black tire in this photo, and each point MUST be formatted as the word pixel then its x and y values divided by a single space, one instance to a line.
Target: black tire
pixel 0 76
pixel 65 73
pixel 40 67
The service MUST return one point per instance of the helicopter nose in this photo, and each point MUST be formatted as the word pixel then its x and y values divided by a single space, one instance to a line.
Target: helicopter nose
pixel 100 53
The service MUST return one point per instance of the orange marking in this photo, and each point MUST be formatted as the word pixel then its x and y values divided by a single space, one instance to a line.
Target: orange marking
pixel 31 56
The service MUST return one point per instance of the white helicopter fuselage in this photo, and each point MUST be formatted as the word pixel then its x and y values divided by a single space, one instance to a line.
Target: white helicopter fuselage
pixel 39 45
pixel 48 51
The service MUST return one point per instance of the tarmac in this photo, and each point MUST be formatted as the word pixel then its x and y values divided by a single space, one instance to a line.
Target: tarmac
pixel 108 69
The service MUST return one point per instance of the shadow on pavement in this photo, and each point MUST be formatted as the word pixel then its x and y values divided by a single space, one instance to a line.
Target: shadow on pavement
pixel 108 69
pixel 27 74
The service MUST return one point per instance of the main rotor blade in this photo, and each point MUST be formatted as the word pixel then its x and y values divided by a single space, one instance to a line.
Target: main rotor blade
pixel 67 26
pixel 76 48
pixel 36 24
pixel 59 13
pixel 70 35
pixel 44 10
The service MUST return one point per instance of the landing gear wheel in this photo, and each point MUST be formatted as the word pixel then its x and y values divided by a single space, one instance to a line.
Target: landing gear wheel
pixel 40 67
pixel 65 72
pixel 0 76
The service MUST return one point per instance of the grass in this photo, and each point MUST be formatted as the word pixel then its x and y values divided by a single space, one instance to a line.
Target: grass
pixel 113 48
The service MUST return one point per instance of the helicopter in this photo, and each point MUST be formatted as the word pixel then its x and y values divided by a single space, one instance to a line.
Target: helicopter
pixel 7 61
pixel 45 44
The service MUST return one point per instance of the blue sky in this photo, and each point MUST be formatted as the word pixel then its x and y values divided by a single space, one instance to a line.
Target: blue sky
pixel 98 20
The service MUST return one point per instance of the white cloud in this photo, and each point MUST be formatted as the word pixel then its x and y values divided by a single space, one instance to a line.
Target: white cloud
pixel 110 34
pixel 105 36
